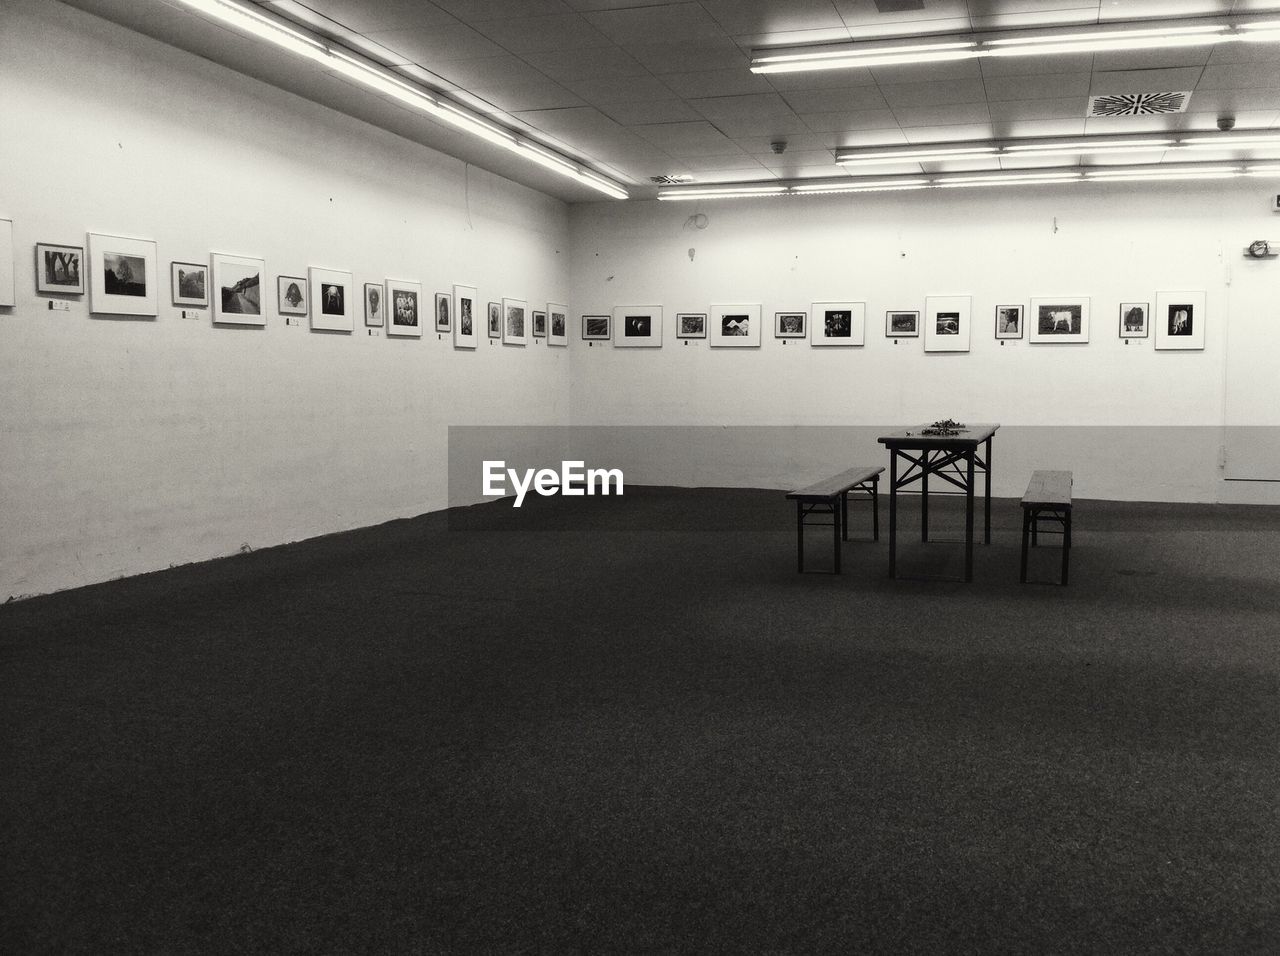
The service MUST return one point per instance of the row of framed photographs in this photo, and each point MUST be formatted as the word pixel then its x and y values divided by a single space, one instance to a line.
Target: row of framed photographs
pixel 123 280
pixel 1178 319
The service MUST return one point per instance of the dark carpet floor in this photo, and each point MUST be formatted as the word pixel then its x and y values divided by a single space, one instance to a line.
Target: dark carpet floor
pixel 629 726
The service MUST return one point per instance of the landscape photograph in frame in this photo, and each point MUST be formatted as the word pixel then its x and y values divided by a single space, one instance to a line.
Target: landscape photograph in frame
pixel 60 270
pixel 237 290
pixel 122 276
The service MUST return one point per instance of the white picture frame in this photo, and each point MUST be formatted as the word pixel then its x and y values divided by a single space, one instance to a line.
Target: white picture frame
pixel 538 323
pixel 235 289
pixel 1011 322
pixel 1058 320
pixel 444 311
pixel 404 308
pixel 637 326
pixel 515 322
pixel 734 326
pixel 333 297
pixel 838 324
pixel 134 293
pixel 557 324
pixel 948 323
pixel 375 305
pixel 466 317
pixel 6 264
pixel 1179 321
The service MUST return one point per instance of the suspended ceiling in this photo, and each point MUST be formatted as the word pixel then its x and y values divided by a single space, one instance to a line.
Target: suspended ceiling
pixel 643 88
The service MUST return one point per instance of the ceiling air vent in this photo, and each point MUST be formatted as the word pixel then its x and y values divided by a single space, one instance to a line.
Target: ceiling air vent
pixel 1138 104
pixel 670 180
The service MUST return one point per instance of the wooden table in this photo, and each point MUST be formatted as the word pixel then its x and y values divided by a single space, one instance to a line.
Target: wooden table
pixel 955 459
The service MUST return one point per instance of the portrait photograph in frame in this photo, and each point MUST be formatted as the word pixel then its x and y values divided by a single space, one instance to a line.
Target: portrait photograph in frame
pixel 691 325
pixel 1061 320
pixel 539 320
pixel 515 322
pixel 404 308
pixel 734 326
pixel 1179 320
pixel 839 324
pixel 375 306
pixel 596 328
pixel 466 317
pixel 444 310
pixel 1009 321
pixel 495 320
pixel 291 295
pixel 122 276
pixel 947 323
pixel 60 270
pixel 237 290
pixel 332 300
pixel 1135 320
pixel 901 324
pixel 637 326
pixel 557 324
pixel 790 325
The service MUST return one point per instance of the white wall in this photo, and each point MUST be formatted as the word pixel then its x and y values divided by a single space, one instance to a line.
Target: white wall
pixel 130 445
pixel 1133 423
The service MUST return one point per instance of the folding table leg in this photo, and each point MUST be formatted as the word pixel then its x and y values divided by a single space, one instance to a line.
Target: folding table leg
pixel 1066 544
pixel 835 531
pixel 1026 534
pixel 893 513
pixel 968 522
pixel 875 508
pixel 844 515
pixel 800 536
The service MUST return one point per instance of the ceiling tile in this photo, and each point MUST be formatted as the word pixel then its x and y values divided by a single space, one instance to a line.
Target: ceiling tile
pixel 687 139
pixel 763 145
pixel 1239 76
pixel 859 139
pixel 1145 81
pixel 614 4
pixel 846 120
pixel 476 10
pixel 1233 101
pixel 1035 65
pixel 365 17
pixel 574 122
pixel 689 55
pixel 651 112
pixel 799 157
pixel 835 101
pixel 947 134
pixel 1067 108
pixel 928 72
pixel 1245 119
pixel 1047 86
pixel 822 80
pixel 562 32
pixel 1024 128
pixel 717 108
pixel 716 83
pixel 1146 9
pixel 918 95
pixel 489 71
pixel 966 113
pixel 704 164
pixel 1028 19
pixel 603 61
pixel 763 41
pixel 620 89
pixel 1195 57
pixel 1244 53
pixel 656 23
pixel 770 16
pixel 428 47
pixel 1111 125
pixel 762 126
pixel 529 96
pixel 753 174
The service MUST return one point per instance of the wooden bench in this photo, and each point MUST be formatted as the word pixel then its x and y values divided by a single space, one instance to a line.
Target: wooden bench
pixel 1048 499
pixel 831 496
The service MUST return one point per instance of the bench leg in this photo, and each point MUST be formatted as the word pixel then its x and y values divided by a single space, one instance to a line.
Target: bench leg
pixel 800 537
pixel 924 498
pixel 893 513
pixel 968 521
pixel 1035 530
pixel 836 526
pixel 1026 531
pixel 844 516
pixel 875 508
pixel 1066 545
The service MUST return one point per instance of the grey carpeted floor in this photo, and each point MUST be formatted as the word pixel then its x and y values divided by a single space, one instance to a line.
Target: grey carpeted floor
pixel 628 725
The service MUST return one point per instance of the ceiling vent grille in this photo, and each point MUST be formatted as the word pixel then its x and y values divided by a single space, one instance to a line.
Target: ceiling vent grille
pixel 1138 104
pixel 670 180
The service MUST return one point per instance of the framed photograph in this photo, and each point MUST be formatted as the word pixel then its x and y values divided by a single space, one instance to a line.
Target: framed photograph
pixel 1179 320
pixel 6 263
pixel 404 308
pixel 790 325
pixel 539 324
pixel 595 328
pixel 735 326
pixel 237 290
pixel 1009 321
pixel 902 325
pixel 123 279
pixel 637 326
pixel 444 306
pixel 291 295
pixel 1133 320
pixel 557 324
pixel 495 320
pixel 1062 320
pixel 947 323
pixel 515 322
pixel 465 308
pixel 691 325
pixel 332 292
pixel 375 306
pixel 60 269
pixel 839 323
pixel 189 282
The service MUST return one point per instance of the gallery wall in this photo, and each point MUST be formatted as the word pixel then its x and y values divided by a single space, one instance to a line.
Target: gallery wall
pixel 1132 422
pixel 128 445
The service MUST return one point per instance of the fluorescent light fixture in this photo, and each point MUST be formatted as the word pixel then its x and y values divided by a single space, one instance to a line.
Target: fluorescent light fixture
pixel 721 192
pixel 1272 170
pixel 1042 41
pixel 344 62
pixel 860 186
pixel 1230 142
pixel 917 154
pixel 1009 179
pixel 1084 146
pixel 1122 174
